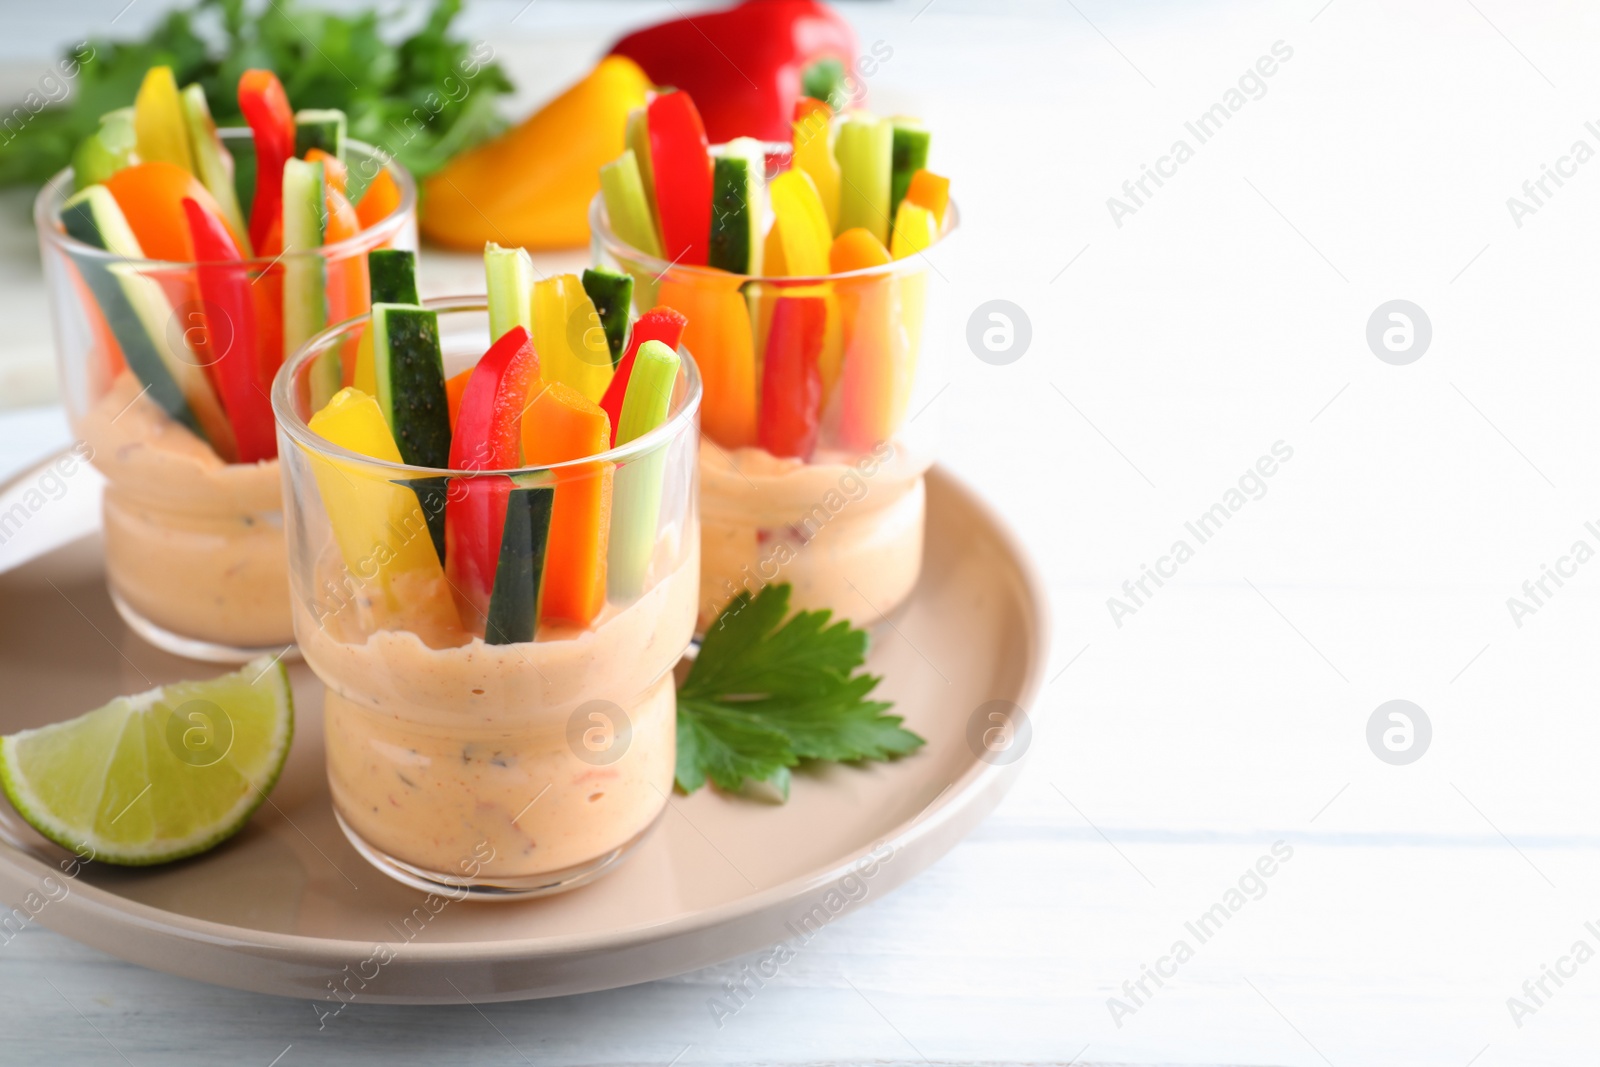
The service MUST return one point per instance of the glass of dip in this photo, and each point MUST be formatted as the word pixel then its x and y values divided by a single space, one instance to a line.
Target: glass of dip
pixel 194 548
pixel 842 524
pixel 501 770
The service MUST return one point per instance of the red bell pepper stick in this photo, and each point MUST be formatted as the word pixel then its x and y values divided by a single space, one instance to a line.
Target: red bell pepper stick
pixel 229 309
pixel 791 383
pixel 680 160
pixel 658 324
pixel 265 107
pixel 748 64
pixel 487 437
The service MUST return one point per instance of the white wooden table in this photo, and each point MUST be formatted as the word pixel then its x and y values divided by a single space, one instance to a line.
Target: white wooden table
pixel 1229 711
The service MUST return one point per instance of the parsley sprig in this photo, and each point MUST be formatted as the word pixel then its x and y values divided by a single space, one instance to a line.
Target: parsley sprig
pixel 424 97
pixel 765 693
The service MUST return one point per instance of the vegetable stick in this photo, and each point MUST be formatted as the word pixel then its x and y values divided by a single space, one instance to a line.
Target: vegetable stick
pixel 509 274
pixel 627 207
pixel 813 153
pixel 865 150
pixel 914 231
pixel 719 335
pixel 636 501
pixel 568 336
pixel 910 154
pixel 158 120
pixel 379 200
pixel 658 324
pixel 378 525
pixel 801 224
pixel 560 425
pixel 932 192
pixel 791 383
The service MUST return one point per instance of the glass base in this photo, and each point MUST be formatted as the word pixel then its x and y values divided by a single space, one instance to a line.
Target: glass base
pixel 492 889
pixel 193 647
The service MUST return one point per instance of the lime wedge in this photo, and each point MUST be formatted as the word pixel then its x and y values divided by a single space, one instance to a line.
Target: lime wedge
pixel 156 776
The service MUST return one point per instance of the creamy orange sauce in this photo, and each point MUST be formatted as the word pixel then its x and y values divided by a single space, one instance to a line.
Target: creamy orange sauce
pixel 540 756
pixel 844 532
pixel 193 544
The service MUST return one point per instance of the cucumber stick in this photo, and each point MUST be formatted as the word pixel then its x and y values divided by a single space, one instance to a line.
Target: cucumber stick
pixel 865 151
pixel 394 276
pixel 408 365
pixel 509 273
pixel 612 296
pixel 514 602
pixel 636 492
pixel 909 155
pixel 140 315
pixel 212 164
pixel 305 272
pixel 738 199
pixel 322 128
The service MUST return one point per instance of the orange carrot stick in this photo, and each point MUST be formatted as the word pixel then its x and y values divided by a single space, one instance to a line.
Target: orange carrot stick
pixel 561 424
pixel 719 337
pixel 453 390
pixel 379 201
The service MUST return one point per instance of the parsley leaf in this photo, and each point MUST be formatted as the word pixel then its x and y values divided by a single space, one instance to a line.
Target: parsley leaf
pixel 423 98
pixel 765 694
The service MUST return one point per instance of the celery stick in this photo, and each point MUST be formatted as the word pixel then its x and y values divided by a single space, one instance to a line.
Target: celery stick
pixel 637 137
pixel 213 165
pixel 510 279
pixel 636 493
pixel 622 186
pixel 865 150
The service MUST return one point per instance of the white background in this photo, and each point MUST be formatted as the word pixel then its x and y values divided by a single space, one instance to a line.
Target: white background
pixel 1230 712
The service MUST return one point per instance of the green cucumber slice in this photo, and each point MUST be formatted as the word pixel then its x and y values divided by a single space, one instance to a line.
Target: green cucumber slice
pixel 636 486
pixel 305 227
pixel 211 161
pixel 909 155
pixel 106 150
pixel 139 313
pixel 322 128
pixel 825 80
pixel 611 294
pixel 509 274
pixel 409 368
pixel 432 495
pixel 514 601
pixel 394 276
pixel 738 193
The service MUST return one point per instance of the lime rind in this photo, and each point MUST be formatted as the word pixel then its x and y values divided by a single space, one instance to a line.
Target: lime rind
pixel 91 784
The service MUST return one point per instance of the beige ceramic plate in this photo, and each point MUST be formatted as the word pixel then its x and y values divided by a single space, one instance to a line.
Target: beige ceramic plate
pixel 287 907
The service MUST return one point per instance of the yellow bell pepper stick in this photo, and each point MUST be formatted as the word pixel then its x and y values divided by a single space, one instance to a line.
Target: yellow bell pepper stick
pixel 865 150
pixel 159 129
pixel 914 230
pixel 813 153
pixel 569 338
pixel 801 224
pixel 379 525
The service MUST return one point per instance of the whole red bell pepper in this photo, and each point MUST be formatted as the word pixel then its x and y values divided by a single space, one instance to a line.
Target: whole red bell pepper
pixel 265 107
pixel 658 324
pixel 680 159
pixel 487 436
pixel 747 65
pixel 229 311
pixel 791 381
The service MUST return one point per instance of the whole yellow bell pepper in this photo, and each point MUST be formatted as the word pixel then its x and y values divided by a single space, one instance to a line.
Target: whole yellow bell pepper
pixel 532 185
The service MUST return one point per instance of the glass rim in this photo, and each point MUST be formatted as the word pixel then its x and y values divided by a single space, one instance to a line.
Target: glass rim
pixel 46 219
pixel 290 422
pixel 600 227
